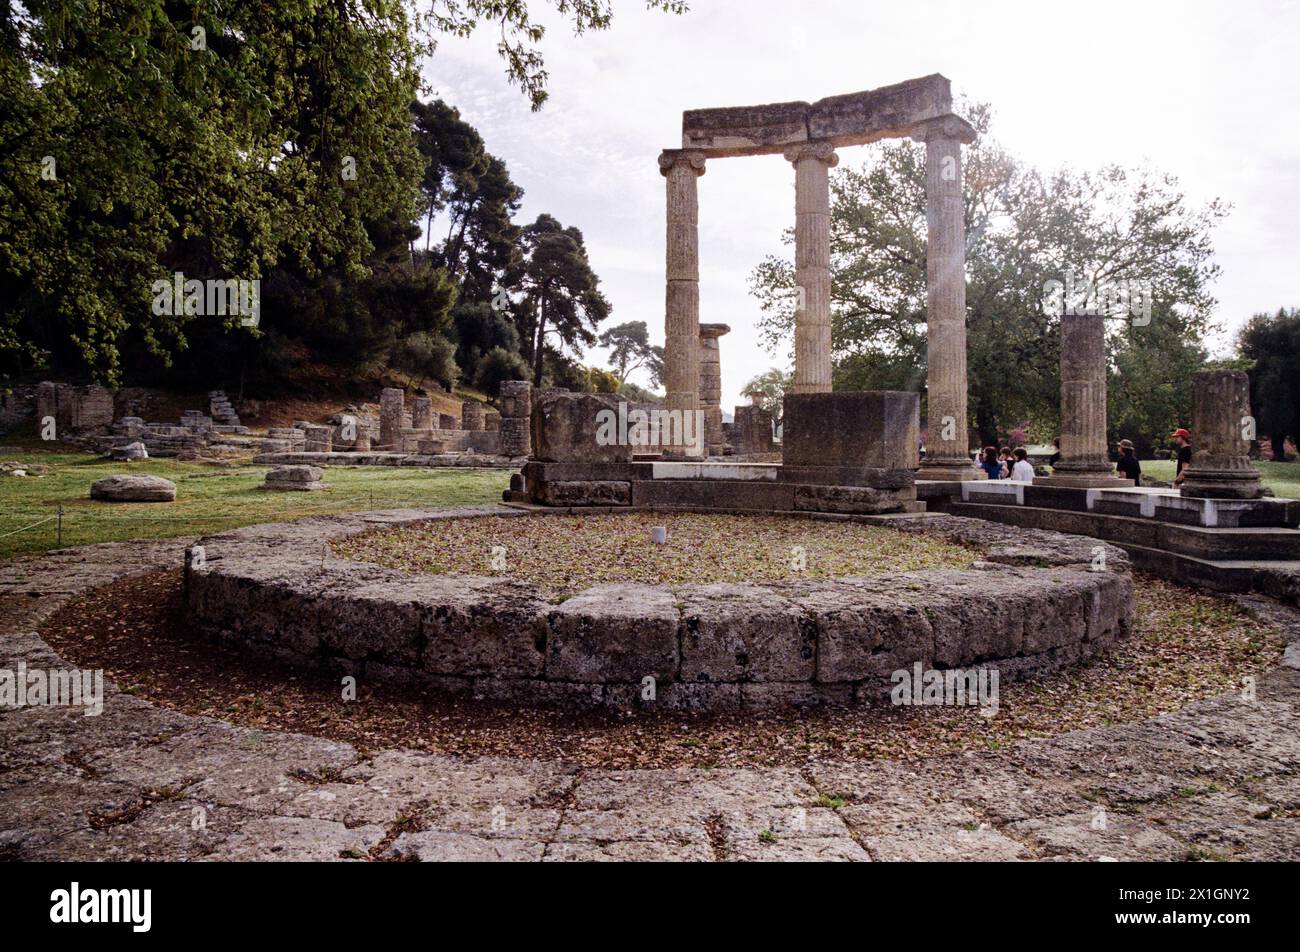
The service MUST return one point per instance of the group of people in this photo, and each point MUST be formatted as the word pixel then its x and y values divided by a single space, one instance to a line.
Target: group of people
pixel 1006 463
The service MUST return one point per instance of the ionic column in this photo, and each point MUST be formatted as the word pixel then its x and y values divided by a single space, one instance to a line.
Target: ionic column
pixel 1221 428
pixel 947 452
pixel 711 385
pixel 812 265
pixel 1084 456
pixel 681 168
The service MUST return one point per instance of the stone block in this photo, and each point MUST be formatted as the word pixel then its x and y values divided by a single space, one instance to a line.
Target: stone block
pixel 866 431
pixel 743 633
pixel 133 489
pixel 614 633
pixel 578 427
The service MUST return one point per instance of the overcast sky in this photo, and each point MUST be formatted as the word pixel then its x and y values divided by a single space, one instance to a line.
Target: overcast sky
pixel 1205 91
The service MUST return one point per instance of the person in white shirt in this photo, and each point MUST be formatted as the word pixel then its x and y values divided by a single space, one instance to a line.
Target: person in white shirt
pixel 1022 470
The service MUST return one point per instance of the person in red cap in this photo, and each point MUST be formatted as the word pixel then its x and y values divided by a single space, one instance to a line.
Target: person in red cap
pixel 1183 446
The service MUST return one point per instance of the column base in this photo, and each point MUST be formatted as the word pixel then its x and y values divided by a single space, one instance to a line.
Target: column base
pixel 1222 484
pixel 1080 480
pixel 950 469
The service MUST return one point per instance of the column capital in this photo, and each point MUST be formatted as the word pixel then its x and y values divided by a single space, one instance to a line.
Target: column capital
pixel 944 127
pixel 714 330
pixel 821 151
pixel 691 158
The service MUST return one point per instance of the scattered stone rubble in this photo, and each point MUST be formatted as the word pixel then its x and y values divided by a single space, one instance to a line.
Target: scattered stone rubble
pixel 133 489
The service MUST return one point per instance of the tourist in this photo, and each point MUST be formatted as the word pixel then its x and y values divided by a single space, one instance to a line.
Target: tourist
pixel 990 463
pixel 1022 469
pixel 1183 447
pixel 1128 466
pixel 1004 457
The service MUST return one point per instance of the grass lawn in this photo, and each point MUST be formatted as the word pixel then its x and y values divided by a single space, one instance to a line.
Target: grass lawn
pixel 208 498
pixel 1282 478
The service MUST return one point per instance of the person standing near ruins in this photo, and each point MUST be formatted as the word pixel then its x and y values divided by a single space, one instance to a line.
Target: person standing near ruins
pixel 1128 466
pixel 1183 447
pixel 990 463
pixel 1022 469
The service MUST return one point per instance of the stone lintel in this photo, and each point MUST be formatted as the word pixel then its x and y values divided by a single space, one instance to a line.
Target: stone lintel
pixel 851 119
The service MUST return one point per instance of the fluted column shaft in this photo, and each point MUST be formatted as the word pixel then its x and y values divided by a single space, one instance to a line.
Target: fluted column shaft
pixel 681 168
pixel 812 265
pixel 1221 432
pixel 947 449
pixel 1083 396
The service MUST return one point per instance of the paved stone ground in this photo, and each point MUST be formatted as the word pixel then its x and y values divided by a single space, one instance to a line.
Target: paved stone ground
pixel 1216 780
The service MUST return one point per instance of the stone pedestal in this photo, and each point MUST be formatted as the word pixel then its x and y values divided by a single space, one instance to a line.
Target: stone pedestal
pixel 751 432
pixel 362 443
pixel 711 386
pixel 1221 424
pixel 812 257
pixel 391 402
pixel 947 450
pixel 1084 460
pixel 578 428
pixel 447 421
pixel 422 413
pixel 471 415
pixel 851 438
pixel 681 169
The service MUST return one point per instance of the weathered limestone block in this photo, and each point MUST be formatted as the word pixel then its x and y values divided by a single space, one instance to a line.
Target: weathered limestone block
pixel 516 398
pixel 391 406
pixel 1221 427
pixel 743 633
pixel 295 478
pixel 515 436
pixel 422 413
pixel 319 439
pixel 613 633
pixel 752 430
pixel 131 451
pixel 866 438
pixel 447 421
pixel 576 427
pixel 481 627
pixel 588 492
pixel 862 500
pixel 471 415
pixel 133 489
pixel 362 443
pixel 851 119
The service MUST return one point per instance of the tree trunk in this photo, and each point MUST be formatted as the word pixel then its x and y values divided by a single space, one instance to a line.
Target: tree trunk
pixel 541 337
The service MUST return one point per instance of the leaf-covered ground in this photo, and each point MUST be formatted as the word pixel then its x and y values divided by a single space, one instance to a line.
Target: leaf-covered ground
pixel 1186 645
pixel 563 555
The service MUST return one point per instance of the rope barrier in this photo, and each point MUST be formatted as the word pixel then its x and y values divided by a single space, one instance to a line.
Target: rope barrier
pixel 25 528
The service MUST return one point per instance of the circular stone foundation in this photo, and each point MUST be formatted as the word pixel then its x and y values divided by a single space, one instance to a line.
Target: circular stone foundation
pixel 1027 601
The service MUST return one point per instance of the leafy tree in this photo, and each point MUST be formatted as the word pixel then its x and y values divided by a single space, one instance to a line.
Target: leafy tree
pixel 454 154
pixel 769 387
pixel 1023 230
pixel 561 297
pixel 630 347
pixel 1272 344
pixel 497 366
